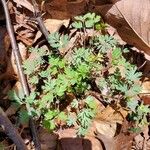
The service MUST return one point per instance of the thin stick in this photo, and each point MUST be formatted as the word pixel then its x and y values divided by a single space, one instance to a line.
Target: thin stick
pixel 22 78
pixel 39 19
pixel 11 132
pixel 15 49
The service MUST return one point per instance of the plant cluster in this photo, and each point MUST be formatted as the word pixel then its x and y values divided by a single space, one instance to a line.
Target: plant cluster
pixel 59 85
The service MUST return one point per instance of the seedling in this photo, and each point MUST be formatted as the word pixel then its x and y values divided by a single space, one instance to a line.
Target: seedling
pixel 95 60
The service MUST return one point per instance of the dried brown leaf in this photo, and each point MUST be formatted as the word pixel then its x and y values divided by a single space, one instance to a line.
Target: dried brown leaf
pixel 24 3
pixel 103 127
pixel 48 140
pixel 111 115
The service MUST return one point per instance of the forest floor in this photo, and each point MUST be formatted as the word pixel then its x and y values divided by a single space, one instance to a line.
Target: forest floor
pixel 108 130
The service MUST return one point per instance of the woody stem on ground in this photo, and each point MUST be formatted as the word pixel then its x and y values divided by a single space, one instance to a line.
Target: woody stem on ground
pixel 37 15
pixel 11 132
pixel 22 78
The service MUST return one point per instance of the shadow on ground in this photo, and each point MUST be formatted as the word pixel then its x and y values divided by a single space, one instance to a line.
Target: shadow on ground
pixel 74 144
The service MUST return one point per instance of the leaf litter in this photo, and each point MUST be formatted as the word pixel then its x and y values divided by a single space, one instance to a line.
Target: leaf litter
pixel 106 120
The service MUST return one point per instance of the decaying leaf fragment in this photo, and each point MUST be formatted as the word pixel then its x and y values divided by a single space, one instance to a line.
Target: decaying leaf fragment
pixel 123 141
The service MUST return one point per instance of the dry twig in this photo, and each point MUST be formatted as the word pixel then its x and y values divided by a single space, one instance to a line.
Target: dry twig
pixel 11 132
pixel 39 19
pixel 20 71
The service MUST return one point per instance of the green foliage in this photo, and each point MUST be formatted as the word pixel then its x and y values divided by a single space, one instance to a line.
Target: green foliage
pixel 23 117
pixel 132 104
pixel 71 121
pixel 19 101
pixel 58 41
pixel 90 103
pixel 124 85
pixel 139 114
pixel 89 20
pixel 132 74
pixel 30 65
pixel 12 95
pixel 93 59
pixel 86 115
pixel 104 43
pixel 75 104
pixel 49 124
pixel 135 129
pixel 2 146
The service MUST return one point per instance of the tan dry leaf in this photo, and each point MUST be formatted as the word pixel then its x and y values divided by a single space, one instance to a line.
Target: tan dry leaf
pixel 64 9
pixel 108 142
pixel 77 7
pixel 123 141
pixel 52 25
pixel 103 127
pixel 145 86
pixel 24 3
pixel 145 93
pixel 56 9
pixel 67 133
pixel 111 115
pixel 136 13
pixel 146 137
pixel 4 59
pixel 139 141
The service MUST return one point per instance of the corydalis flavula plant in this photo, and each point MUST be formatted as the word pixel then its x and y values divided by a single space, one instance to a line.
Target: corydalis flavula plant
pixel 61 83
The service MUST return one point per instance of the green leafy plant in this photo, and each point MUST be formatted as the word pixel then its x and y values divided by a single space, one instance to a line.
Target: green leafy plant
pixel 94 60
pixel 89 20
pixel 138 114
pixel 58 41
